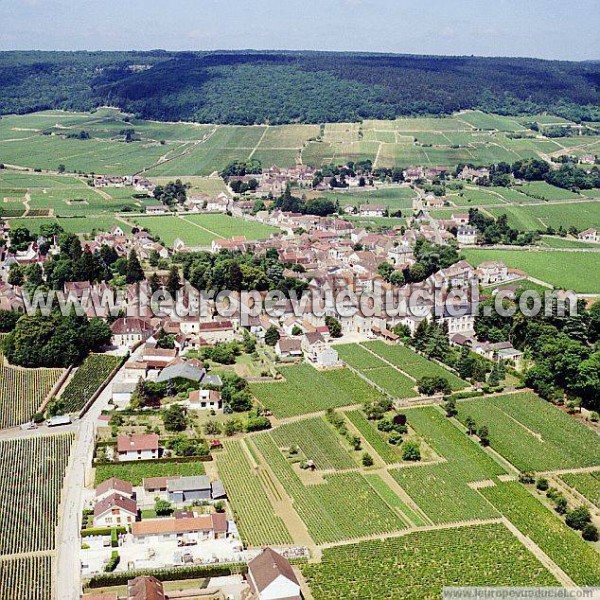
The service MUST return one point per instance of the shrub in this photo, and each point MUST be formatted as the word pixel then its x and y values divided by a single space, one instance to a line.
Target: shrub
pixel 578 518
pixel 411 451
pixel 542 484
pixel 590 533
pixel 527 478
pixel 367 460
pixel 113 562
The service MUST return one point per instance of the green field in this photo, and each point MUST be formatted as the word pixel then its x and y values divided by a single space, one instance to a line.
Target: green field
pixel 560 242
pixel 414 364
pixel 393 198
pixel 587 484
pixel 307 390
pixel 577 271
pixel 419 565
pixel 71 225
pixel 532 434
pixel 564 546
pixel 201 230
pixel 135 472
pixel 373 437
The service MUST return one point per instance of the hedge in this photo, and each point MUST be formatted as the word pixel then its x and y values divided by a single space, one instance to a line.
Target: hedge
pixel 102 531
pixel 171 574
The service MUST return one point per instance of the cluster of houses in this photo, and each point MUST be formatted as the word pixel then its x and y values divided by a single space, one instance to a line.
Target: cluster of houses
pixel 138 183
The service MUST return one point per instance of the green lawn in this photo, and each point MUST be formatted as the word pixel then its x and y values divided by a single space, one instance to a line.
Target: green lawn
pixel 577 271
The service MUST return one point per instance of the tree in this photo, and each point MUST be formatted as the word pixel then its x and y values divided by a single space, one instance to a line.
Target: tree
pixel 411 451
pixel 450 408
pixel 367 460
pixel 257 423
pixel 173 282
pixel 232 426
pixel 162 508
pixel 272 336
pixel 8 320
pixel 542 484
pixel 16 274
pixel 154 283
pixel 561 505
pixel 175 418
pixel 212 428
pixel 334 326
pixel 61 168
pixel 484 436
pixel 134 272
pixel 471 426
pixel 154 258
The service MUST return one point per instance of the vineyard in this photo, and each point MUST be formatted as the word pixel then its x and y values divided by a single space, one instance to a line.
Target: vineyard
pixel 418 565
pixel 30 500
pixel 135 472
pixel 254 515
pixel 587 484
pixel 306 390
pixel 373 437
pixel 532 434
pixel 22 391
pixel 344 507
pixel 318 442
pixel 26 578
pixel 414 364
pixel 564 546
pixel 87 379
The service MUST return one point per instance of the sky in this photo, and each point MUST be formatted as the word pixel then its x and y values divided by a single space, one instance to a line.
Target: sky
pixel 553 29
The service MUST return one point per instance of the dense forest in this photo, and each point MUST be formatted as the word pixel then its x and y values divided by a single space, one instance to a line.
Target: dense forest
pixel 283 87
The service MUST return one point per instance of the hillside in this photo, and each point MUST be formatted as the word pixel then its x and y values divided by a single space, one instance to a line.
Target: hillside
pixel 285 87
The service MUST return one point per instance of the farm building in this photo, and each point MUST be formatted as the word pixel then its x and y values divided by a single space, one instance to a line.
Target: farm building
pixel 188 489
pixel 205 527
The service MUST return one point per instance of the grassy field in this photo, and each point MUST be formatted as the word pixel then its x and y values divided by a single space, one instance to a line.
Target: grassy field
pixel 71 225
pixel 587 484
pixel 564 546
pixel 414 364
pixel 307 390
pixel 577 271
pixel 560 242
pixel 532 434
pixel 393 198
pixel 418 566
pixel 135 472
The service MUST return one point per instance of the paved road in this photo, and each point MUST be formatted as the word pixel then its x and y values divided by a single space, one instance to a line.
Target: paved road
pixel 68 571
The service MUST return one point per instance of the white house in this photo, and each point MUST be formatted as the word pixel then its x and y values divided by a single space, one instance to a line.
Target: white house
pixel 158 209
pixel 467 235
pixel 492 271
pixel 122 392
pixel 372 210
pixel 317 350
pixel 139 446
pixel 205 400
pixel 271 577
pixel 114 485
pixel 589 235
pixel 204 527
pixel 129 331
pixel 115 511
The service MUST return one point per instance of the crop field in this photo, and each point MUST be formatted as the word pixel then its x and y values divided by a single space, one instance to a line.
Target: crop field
pixel 373 437
pixel 201 230
pixel 544 191
pixel 580 215
pixel 30 502
pixel 417 565
pixel 87 379
pixel 564 546
pixel 307 390
pixel 406 512
pixel 564 242
pixel 254 514
pixel 71 225
pixel 135 472
pixel 414 364
pixel 387 378
pixel 533 434
pixel 393 197
pixel 26 578
pixel 332 510
pixel 442 493
pixel 22 391
pixel 317 440
pixel 587 484
pixel 577 271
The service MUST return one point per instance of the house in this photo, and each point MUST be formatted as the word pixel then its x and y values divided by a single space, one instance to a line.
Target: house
pixel 460 218
pixel 128 331
pixel 114 485
pixel 181 370
pixel 156 485
pixel 204 527
pixel 271 577
pixel 589 235
pixel 145 588
pixel 467 235
pixel 205 400
pixel 217 331
pixel 115 510
pixel 432 201
pixel 122 392
pixel 286 347
pixel 372 210
pixel 139 446
pixel 317 350
pixel 188 489
pixel 492 271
